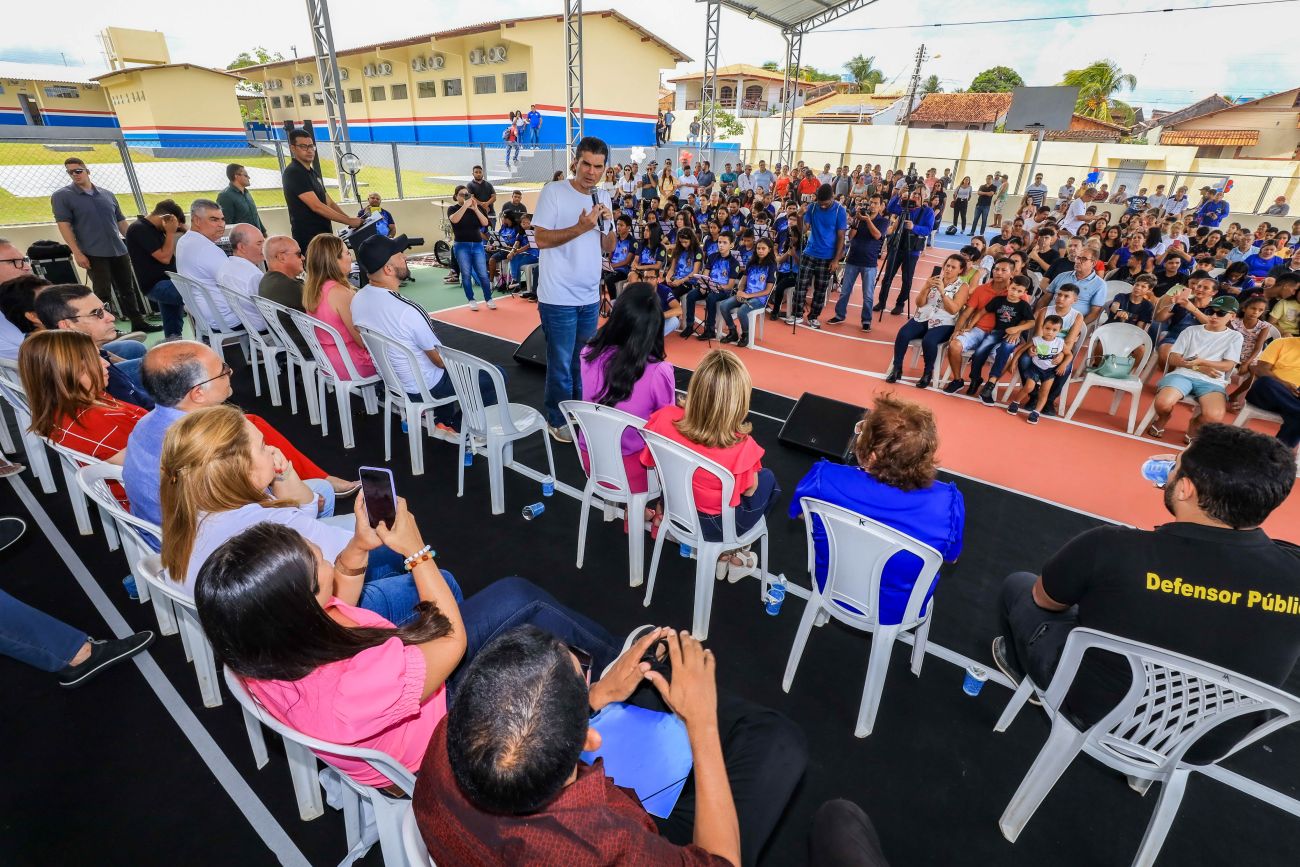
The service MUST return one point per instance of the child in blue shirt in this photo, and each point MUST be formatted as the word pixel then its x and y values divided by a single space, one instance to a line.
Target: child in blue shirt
pixel 714 283
pixel 755 287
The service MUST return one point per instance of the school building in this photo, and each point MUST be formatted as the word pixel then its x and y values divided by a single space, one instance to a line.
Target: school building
pixel 44 95
pixel 461 85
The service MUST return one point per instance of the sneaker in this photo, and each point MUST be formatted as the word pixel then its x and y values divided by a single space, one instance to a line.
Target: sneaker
pixel 560 434
pixel 102 655
pixel 729 337
pixel 447 429
pixel 473 305
pixel 1002 659
pixel 1013 408
pixel 146 326
pixel 707 335
pixel 1033 416
pixel 835 320
pixel 866 326
pixel 974 387
pixel 743 341
pixel 137 335
pixel 815 325
pixel 1050 410
pixel 685 333
pixel 491 305
pixel 986 395
pixel 955 386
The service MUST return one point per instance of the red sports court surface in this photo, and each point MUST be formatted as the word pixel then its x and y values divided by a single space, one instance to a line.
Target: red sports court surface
pixel 1089 463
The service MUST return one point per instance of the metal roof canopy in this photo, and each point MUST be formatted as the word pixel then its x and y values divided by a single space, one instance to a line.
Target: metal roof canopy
pixel 794 18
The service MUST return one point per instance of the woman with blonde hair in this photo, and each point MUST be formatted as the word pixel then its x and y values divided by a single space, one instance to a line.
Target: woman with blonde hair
pixel 65 379
pixel 712 423
pixel 894 482
pixel 327 295
pixel 667 185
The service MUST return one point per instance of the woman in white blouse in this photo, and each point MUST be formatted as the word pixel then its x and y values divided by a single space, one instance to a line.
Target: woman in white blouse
pixel 938 303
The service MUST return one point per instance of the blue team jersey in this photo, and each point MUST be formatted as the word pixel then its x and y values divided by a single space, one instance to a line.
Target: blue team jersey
pixel 622 247
pixel 722 269
pixel 646 254
pixel 757 277
pixel 684 263
pixel 744 254
pixel 508 235
pixel 710 247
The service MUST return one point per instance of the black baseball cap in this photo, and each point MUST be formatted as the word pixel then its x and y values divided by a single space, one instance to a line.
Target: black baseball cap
pixel 374 252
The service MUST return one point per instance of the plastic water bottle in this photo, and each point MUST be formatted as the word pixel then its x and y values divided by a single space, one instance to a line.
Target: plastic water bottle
pixel 533 511
pixel 775 596
pixel 685 550
pixel 469 458
pixel 548 486
pixel 405 429
pixel 974 681
pixel 1156 470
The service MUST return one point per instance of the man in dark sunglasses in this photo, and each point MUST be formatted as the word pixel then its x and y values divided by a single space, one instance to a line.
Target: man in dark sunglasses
pixel 92 225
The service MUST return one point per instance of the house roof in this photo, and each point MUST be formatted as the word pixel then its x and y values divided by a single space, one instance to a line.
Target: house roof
pixel 746 70
pixel 1079 122
pixel 1221 137
pixel 962 108
pixel 484 27
pixel 12 70
pixel 115 72
pixel 1083 135
pixel 839 105
pixel 1233 106
pixel 1213 102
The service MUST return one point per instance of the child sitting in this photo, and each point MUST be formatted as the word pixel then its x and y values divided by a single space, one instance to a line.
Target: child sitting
pixel 1285 314
pixel 1198 367
pixel 752 294
pixel 647 263
pixel 525 252
pixel 714 283
pixel 1253 329
pixel 712 423
pixel 1043 360
pixel 1137 306
pixel 1012 317
pixel 620 258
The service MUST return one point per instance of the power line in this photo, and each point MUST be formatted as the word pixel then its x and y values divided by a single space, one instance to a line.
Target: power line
pixel 1057 17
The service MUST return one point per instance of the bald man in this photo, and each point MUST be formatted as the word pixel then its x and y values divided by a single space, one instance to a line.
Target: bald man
pixel 242 272
pixel 282 282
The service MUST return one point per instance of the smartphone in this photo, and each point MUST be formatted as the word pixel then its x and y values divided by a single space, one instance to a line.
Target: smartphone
pixel 380 495
pixel 938 269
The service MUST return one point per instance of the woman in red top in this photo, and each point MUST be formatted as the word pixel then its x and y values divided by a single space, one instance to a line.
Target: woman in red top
pixel 712 422
pixel 65 379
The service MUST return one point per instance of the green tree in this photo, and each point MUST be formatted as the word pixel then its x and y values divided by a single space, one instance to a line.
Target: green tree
pixel 931 85
pixel 999 79
pixel 252 112
pixel 725 123
pixel 806 73
pixel 1098 83
pixel 865 73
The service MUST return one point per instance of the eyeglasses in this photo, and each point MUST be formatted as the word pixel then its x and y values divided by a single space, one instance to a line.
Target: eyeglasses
pixel 225 371
pixel 105 312
pixel 306 147
pixel 1220 312
pixel 584 662
pixel 76 171
pixel 20 264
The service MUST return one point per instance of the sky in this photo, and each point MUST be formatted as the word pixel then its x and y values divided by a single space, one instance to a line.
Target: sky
pixel 1165 51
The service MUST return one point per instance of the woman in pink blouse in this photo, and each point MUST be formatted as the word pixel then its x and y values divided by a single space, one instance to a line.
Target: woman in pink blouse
pixel 327 295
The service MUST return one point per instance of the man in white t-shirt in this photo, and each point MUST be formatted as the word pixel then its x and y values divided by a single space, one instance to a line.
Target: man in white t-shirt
pixel 1199 364
pixel 1156 201
pixel 242 273
pixel 199 258
pixel 1076 213
pixel 1177 203
pixel 380 307
pixel 574 228
pixel 1065 195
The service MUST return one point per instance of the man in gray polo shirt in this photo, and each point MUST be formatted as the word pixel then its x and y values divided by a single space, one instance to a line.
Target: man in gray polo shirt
pixel 92 224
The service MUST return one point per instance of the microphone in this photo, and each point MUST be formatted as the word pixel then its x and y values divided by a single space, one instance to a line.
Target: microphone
pixel 595 203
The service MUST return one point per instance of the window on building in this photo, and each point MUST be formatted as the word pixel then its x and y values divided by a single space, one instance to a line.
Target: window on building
pixel 399 91
pixel 426 89
pixel 451 87
pixel 288 100
pixel 485 84
pixel 275 102
pixel 378 94
pixel 514 82
pixel 59 91
pixel 304 99
pixel 354 94
pixel 318 98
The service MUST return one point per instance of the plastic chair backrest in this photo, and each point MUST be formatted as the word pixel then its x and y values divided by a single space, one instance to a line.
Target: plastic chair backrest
pixel 677 466
pixel 382 762
pixel 252 321
pixel 1270 334
pixel 380 346
pixel 94 479
pixel 76 458
pixel 1115 288
pixel 1120 338
pixel 309 326
pixel 417 854
pixel 151 569
pixel 858 548
pixel 13 394
pixel 202 311
pixel 1173 701
pixel 276 315
pixel 464 370
pixel 9 371
pixel 602 428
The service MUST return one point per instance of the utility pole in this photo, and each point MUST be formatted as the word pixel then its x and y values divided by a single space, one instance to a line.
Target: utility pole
pixel 914 86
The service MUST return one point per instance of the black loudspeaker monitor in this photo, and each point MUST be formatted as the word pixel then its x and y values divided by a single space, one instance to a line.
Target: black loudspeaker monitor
pixel 821 425
pixel 533 349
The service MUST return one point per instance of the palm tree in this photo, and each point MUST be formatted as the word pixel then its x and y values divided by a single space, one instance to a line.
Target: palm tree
pixel 931 85
pixel 1098 83
pixel 865 73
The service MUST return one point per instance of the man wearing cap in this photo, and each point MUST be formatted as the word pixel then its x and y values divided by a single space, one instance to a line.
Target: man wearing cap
pixel 1199 364
pixel 380 307
pixel 649 185
pixel 573 228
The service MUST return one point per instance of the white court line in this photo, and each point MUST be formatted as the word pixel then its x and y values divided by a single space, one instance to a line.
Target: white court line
pixel 266 826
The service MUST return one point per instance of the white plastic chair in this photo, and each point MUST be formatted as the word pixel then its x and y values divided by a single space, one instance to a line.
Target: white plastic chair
pixel 205 316
pixel 72 461
pixel 1250 411
pixel 93 480
pixel 344 384
pixel 499 426
pixel 602 427
pixel 262 342
pixel 302 750
pixel 677 466
pixel 38 460
pixel 1173 702
pixel 294 359
pixel 417 854
pixel 197 649
pixel 857 550
pixel 1121 339
pixel 1115 288
pixel 418 414
pixel 757 322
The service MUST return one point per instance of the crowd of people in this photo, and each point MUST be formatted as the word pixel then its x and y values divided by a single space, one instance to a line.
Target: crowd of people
pixel 348 630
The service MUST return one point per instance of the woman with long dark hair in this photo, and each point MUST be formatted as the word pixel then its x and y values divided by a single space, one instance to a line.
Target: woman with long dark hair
pixel 624 366
pixel 787 263
pixel 944 296
pixel 275 611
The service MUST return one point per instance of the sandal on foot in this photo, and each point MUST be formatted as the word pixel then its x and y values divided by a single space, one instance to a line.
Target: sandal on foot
pixel 747 566
pixel 1153 431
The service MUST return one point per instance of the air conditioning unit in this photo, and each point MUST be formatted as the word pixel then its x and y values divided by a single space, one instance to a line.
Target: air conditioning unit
pixel 369 70
pixel 385 68
pixel 343 73
pixel 476 56
pixel 274 84
pixel 418 64
pixel 437 61
pixel 496 54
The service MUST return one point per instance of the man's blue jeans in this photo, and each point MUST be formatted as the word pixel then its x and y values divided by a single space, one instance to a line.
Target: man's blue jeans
pixel 34 637
pixel 471 262
pixel 535 134
pixel 518 263
pixel 567 329
pixel 172 306
pixel 131 352
pixel 323 489
pixel 390 590
pixel 851 274
pixel 980 221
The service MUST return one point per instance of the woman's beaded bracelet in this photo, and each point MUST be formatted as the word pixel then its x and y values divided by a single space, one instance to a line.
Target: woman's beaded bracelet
pixel 425 553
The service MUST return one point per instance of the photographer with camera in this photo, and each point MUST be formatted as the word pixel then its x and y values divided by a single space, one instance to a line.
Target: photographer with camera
pixel 468 221
pixel 866 237
pixel 913 224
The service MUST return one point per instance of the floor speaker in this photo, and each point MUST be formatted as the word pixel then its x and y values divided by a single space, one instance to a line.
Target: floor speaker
pixel 533 349
pixel 822 425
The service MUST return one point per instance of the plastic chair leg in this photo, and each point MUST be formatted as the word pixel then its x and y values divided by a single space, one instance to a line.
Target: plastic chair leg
pixel 920 637
pixel 496 474
pixel 1132 409
pixel 882 645
pixel 351 815
pixel 306 787
pixel 1063 744
pixel 1013 707
pixel 7 444
pixel 162 609
pixel 38 461
pixel 654 565
pixel 389 814
pixel 415 442
pixel 256 739
pixel 800 639
pixel 343 394
pixel 764 576
pixel 1171 795
pixel 584 511
pixel 321 407
pixel 257 379
pixel 110 531
pixel 272 377
pixel 635 539
pixel 314 406
pixel 205 666
pixel 706 560
pixel 182 626
pixel 1078 399
pixel 80 508
pixel 460 464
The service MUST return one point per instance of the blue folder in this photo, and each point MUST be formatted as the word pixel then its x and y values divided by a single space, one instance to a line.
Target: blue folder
pixel 646 751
